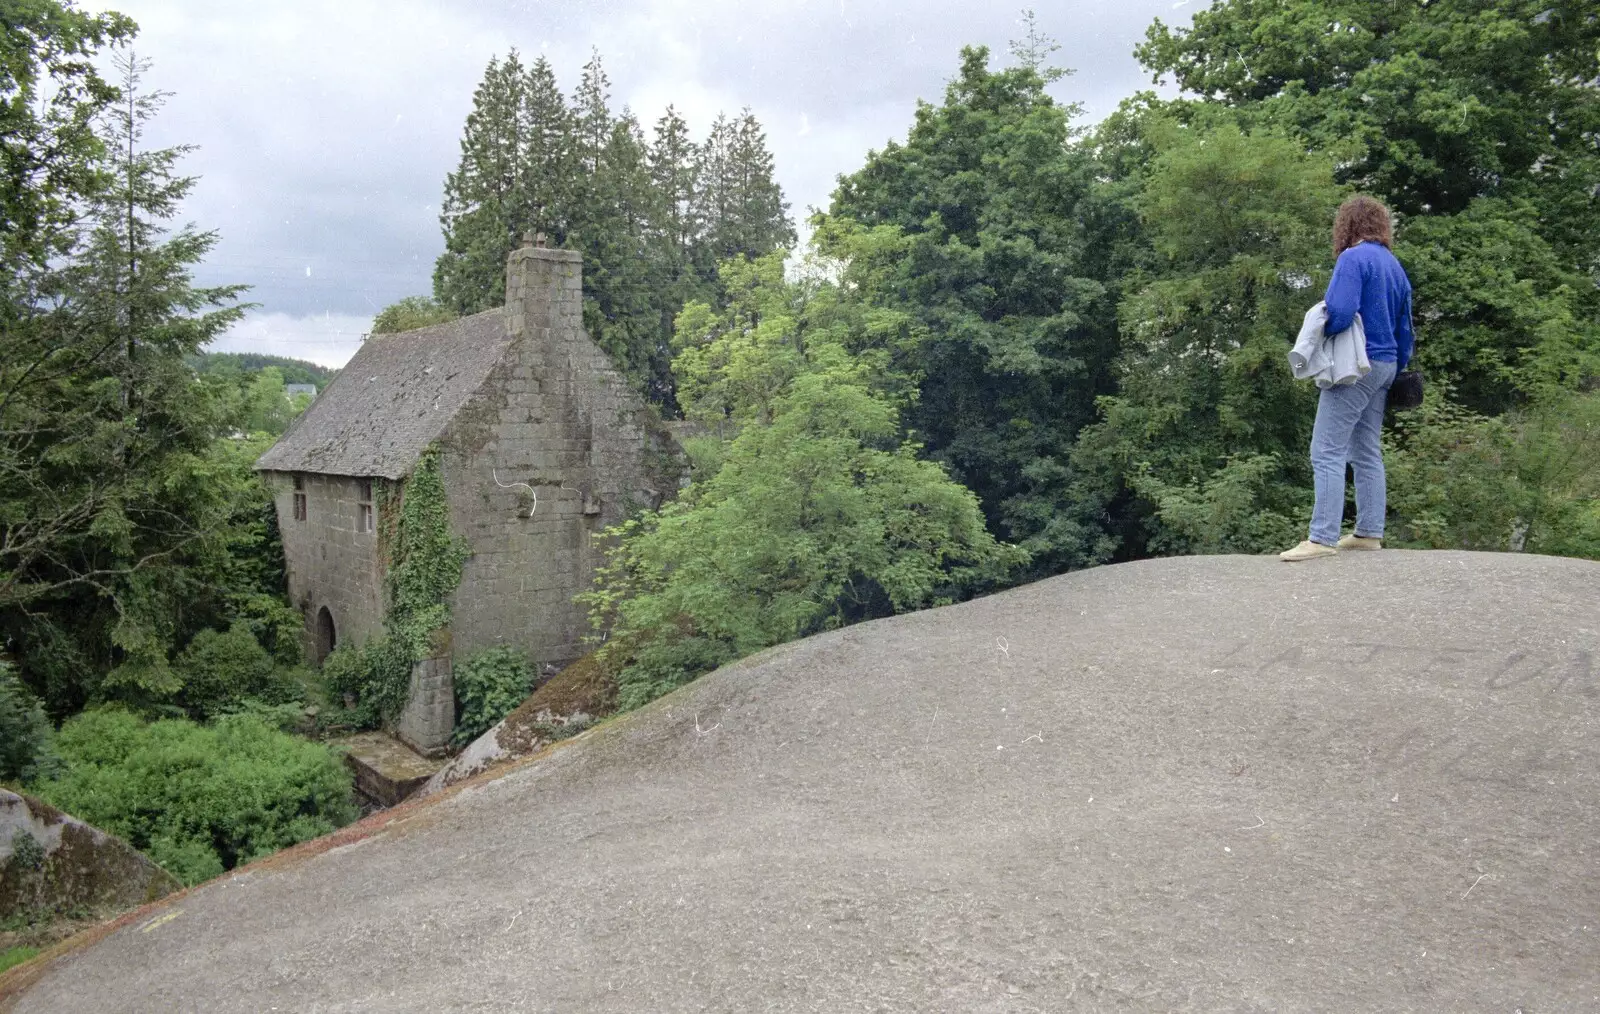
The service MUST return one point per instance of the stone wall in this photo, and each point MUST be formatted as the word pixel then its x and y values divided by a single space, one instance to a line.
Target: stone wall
pixel 331 563
pixel 430 713
pixel 556 446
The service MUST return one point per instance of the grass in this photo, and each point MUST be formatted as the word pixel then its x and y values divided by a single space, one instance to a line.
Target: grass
pixel 16 956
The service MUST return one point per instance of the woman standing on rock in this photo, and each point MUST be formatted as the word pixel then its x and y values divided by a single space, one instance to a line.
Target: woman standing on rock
pixel 1367 279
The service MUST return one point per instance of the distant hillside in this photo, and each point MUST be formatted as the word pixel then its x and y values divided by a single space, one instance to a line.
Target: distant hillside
pixel 295 371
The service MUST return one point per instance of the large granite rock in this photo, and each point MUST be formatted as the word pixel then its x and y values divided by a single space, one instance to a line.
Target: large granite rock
pixel 53 863
pixel 1370 783
pixel 563 706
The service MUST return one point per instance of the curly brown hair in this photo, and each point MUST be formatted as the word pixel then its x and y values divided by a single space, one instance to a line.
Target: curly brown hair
pixel 1359 219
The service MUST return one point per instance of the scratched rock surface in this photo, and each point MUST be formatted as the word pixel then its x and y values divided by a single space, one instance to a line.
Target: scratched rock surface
pixel 1224 784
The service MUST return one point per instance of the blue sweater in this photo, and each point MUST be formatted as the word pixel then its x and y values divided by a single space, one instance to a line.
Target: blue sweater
pixel 1369 279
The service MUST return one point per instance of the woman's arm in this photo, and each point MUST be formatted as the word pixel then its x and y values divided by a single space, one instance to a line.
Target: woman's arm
pixel 1344 294
pixel 1404 339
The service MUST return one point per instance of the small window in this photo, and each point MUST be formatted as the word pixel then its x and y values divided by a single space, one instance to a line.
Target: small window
pixel 364 508
pixel 299 498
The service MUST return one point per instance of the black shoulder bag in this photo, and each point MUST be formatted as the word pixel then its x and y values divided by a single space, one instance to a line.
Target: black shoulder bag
pixel 1406 391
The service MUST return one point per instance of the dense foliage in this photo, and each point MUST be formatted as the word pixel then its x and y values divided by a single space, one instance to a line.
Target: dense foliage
pixel 986 228
pixel 139 555
pixel 489 686
pixel 424 560
pixel 410 313
pixel 653 216
pixel 243 365
pixel 198 799
pixel 26 738
pixel 1475 121
pixel 122 498
pixel 814 511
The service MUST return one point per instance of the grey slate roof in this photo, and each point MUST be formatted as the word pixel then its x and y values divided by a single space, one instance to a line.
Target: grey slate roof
pixel 392 399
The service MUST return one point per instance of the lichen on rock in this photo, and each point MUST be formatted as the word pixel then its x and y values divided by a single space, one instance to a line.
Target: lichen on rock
pixel 54 865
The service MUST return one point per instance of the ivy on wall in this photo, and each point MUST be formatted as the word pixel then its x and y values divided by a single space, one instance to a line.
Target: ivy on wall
pixel 424 567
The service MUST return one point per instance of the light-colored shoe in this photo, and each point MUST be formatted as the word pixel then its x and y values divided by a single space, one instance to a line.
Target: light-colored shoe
pixel 1307 550
pixel 1360 542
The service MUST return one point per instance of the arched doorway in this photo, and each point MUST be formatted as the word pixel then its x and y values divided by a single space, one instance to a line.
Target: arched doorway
pixel 327 636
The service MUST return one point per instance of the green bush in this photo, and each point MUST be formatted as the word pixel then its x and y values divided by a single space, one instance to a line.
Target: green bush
pixel 488 687
pixel 198 799
pixel 371 679
pixel 16 956
pixel 411 312
pixel 221 669
pixel 1526 481
pixel 662 666
pixel 26 750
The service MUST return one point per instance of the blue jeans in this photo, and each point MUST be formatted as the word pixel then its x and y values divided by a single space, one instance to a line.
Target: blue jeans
pixel 1349 423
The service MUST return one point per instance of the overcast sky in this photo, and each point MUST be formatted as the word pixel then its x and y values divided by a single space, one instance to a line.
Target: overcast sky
pixel 325 129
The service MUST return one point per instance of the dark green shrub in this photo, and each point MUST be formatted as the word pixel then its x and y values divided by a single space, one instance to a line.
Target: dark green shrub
pixel 16 956
pixel 26 751
pixel 662 666
pixel 1526 481
pixel 489 685
pixel 221 669
pixel 198 799
pixel 371 680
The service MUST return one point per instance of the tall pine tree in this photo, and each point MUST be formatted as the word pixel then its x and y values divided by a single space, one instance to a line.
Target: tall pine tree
pixel 739 205
pixel 482 198
pixel 512 177
pixel 652 218
pixel 115 513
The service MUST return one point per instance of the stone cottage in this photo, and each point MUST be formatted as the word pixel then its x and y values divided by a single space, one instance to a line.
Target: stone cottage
pixel 541 443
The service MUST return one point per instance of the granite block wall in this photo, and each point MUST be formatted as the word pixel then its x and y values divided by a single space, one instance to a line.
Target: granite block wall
pixel 430 713
pixel 556 447
pixel 332 563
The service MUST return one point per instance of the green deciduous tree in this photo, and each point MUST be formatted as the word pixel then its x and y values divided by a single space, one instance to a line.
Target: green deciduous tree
pixel 267 406
pixel 988 226
pixel 1527 481
pixel 1208 429
pixel 410 313
pixel 1476 122
pixel 817 513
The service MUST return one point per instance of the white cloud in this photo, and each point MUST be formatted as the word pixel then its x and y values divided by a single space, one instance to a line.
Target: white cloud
pixel 329 339
pixel 325 130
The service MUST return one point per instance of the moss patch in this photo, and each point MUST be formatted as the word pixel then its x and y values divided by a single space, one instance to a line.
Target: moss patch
pixel 16 956
pixel 568 702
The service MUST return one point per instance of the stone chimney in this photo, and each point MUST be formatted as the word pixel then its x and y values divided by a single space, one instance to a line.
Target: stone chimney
pixel 544 294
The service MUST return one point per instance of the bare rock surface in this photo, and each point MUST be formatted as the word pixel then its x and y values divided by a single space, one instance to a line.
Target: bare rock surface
pixel 55 864
pixel 561 707
pixel 1218 784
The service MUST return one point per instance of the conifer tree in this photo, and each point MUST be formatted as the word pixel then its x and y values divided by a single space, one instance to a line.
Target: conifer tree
pixel 591 116
pixel 673 161
pixel 483 198
pixel 652 219
pixel 713 199
pixel 761 214
pixel 548 192
pixel 739 205
pixel 115 521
